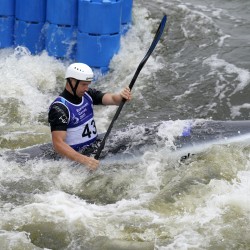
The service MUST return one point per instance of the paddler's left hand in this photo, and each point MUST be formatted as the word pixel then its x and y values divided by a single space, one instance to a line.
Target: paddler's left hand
pixel 126 94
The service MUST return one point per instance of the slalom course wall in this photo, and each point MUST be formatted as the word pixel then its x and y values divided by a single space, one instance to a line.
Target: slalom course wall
pixel 86 31
pixel 7 17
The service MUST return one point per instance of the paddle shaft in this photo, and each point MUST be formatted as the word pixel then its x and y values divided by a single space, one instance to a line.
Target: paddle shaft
pixel 142 63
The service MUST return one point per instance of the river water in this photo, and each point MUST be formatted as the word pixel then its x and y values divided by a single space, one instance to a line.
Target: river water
pixel 199 70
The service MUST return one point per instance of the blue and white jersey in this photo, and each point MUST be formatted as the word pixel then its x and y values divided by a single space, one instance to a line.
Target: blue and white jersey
pixel 81 129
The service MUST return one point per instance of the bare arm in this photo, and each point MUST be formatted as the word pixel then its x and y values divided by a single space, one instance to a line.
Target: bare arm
pixel 115 99
pixel 62 148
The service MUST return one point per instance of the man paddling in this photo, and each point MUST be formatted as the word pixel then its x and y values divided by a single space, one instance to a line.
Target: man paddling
pixel 71 115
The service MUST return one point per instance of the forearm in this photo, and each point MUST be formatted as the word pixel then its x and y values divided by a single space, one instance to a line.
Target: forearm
pixel 65 150
pixel 116 98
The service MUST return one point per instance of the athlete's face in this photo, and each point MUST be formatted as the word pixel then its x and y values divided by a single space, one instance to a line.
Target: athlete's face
pixel 83 86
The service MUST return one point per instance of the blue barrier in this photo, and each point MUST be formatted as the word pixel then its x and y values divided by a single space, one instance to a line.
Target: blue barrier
pixel 126 15
pixel 30 35
pixel 7 7
pixel 61 41
pixel 126 11
pixel 62 12
pixel 99 17
pixel 31 10
pixel 6 31
pixel 56 25
pixel 96 50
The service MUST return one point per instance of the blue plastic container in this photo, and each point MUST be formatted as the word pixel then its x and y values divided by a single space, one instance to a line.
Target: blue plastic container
pixel 99 17
pixel 126 11
pixel 96 50
pixel 61 41
pixel 62 12
pixel 29 35
pixel 31 10
pixel 7 7
pixel 6 31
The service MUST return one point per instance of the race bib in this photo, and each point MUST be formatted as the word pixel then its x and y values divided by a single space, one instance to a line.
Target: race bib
pixel 81 134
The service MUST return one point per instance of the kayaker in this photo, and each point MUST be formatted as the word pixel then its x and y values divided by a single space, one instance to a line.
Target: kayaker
pixel 71 115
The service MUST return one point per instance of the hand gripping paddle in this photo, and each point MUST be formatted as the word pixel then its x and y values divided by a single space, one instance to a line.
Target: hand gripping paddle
pixel 142 63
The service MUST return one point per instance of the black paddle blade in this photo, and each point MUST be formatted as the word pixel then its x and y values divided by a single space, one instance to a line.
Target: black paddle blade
pixel 140 66
pixel 150 50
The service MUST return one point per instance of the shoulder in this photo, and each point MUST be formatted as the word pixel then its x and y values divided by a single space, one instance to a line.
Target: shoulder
pixel 58 108
pixel 58 117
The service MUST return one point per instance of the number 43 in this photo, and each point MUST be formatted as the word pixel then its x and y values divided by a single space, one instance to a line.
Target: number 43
pixel 89 129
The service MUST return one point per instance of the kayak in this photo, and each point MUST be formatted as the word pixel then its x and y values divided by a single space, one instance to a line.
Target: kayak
pixel 136 139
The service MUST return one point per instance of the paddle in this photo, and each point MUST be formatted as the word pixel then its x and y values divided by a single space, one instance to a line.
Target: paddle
pixel 142 63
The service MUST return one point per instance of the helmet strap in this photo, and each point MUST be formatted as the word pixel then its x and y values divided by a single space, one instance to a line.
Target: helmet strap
pixel 73 88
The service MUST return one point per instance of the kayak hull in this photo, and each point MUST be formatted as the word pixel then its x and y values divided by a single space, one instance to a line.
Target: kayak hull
pixel 136 139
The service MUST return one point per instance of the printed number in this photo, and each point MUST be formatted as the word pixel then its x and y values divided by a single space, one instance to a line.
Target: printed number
pixel 87 131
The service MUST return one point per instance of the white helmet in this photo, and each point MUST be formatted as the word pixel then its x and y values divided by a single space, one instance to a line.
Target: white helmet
pixel 79 71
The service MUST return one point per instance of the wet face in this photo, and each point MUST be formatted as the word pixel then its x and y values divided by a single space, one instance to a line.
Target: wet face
pixel 82 87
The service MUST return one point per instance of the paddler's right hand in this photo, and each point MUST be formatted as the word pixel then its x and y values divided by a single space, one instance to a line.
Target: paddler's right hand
pixel 91 163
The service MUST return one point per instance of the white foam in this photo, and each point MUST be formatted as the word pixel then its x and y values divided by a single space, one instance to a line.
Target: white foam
pixel 235 110
pixel 221 67
pixel 30 80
